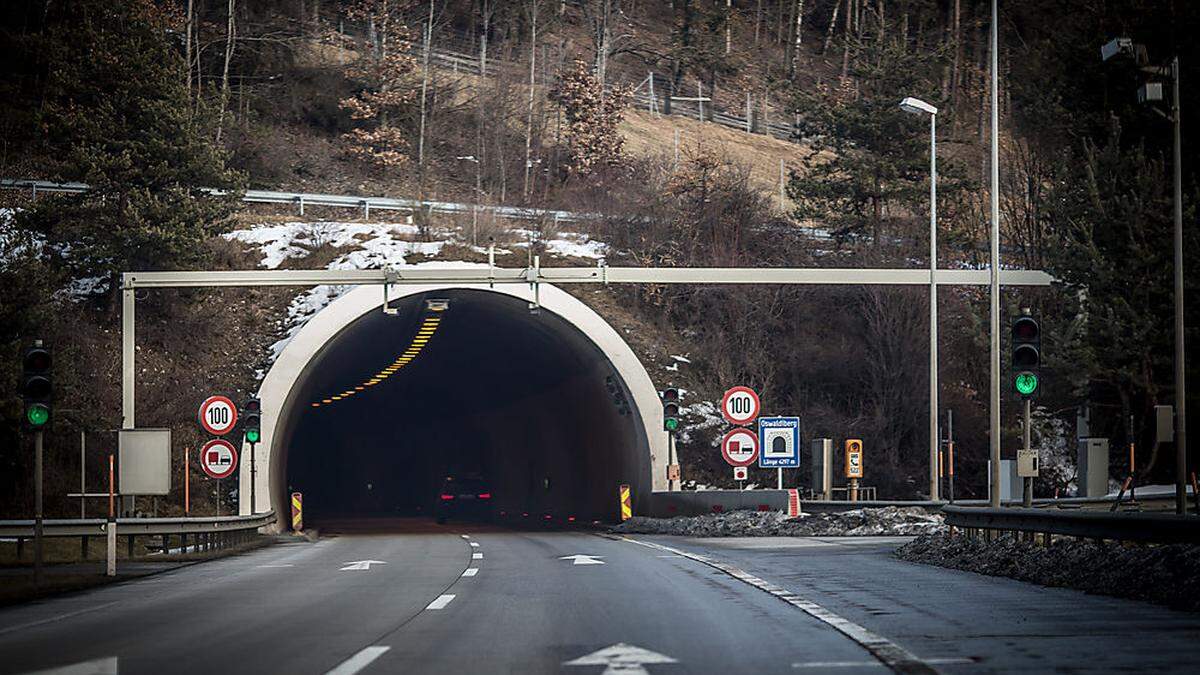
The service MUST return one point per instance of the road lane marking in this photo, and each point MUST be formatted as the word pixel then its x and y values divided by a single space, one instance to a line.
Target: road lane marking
pixel 583 559
pixel 621 659
pixel 360 565
pixel 476 556
pixel 60 617
pixel 440 602
pixel 275 566
pixel 106 666
pixel 359 661
pixel 475 543
pixel 879 664
pixel 889 653
pixel 465 536
pixel 470 571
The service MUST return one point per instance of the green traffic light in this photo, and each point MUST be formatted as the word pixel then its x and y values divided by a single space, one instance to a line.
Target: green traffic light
pixel 1026 383
pixel 252 435
pixel 37 415
pixel 671 424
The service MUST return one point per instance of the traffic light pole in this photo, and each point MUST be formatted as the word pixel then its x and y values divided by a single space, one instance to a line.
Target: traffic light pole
pixel 37 507
pixel 1027 492
pixel 253 480
pixel 1180 371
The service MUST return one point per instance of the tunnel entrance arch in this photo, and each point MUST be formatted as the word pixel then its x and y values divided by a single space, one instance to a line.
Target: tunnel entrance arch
pixel 555 398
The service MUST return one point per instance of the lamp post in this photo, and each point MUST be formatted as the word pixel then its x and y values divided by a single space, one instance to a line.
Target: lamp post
pixel 1149 93
pixel 919 107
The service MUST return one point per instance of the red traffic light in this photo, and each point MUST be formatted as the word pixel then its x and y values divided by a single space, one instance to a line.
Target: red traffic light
pixel 37 360
pixel 1026 329
pixel 670 395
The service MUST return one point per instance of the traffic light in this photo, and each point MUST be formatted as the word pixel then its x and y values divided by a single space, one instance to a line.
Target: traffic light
pixel 1026 355
pixel 36 390
pixel 670 403
pixel 252 420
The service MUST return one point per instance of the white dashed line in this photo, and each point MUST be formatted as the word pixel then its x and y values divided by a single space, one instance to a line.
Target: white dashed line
pixel 477 556
pixel 475 544
pixel 359 661
pixel 869 664
pixel 470 571
pixel 465 536
pixel 441 602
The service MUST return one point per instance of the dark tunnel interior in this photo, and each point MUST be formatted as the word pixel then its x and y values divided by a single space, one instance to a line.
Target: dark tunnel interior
pixel 513 404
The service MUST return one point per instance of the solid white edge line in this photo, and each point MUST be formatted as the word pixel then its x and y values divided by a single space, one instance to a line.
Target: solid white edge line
pixel 440 602
pixel 877 664
pixel 889 653
pixel 60 617
pixel 359 661
pixel 470 571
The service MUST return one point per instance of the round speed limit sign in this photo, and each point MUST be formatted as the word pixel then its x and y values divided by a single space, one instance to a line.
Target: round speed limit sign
pixel 740 405
pixel 218 415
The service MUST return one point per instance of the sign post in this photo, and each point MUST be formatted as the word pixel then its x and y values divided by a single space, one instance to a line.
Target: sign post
pixel 219 460
pixel 779 440
pixel 740 405
pixel 739 447
pixel 218 415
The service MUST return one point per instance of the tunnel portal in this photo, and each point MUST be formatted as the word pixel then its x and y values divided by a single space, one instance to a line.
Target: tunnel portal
pixel 461 383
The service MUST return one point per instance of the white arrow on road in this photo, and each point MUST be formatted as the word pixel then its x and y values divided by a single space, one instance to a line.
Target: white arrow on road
pixel 621 659
pixel 584 559
pixel 361 565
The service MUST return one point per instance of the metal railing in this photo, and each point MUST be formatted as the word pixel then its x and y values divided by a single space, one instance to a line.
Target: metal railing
pixel 303 199
pixel 206 533
pixel 1147 528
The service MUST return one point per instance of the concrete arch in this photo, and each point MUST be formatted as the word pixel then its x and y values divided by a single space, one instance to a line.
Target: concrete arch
pixel 280 385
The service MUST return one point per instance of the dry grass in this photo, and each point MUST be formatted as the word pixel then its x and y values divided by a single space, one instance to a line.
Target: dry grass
pixel 653 136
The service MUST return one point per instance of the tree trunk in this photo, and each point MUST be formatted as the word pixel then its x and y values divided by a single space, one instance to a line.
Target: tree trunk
pixel 424 106
pixel 757 22
pixel 187 50
pixel 832 24
pixel 846 42
pixel 225 72
pixel 529 119
pixel 794 66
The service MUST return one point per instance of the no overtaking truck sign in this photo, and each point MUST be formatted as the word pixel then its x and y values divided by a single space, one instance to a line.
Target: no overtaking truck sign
pixel 218 458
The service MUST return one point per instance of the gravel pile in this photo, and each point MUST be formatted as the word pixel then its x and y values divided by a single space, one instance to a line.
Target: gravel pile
pixel 1167 575
pixel 889 520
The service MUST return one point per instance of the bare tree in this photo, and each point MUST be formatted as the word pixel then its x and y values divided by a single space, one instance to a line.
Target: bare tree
pixel 229 31
pixel 533 16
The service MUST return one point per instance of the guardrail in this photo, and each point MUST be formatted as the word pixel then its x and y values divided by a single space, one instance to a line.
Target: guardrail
pixel 303 199
pixel 1146 528
pixel 207 533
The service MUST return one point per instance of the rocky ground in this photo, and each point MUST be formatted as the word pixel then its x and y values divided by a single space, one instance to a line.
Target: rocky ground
pixel 1167 575
pixel 889 520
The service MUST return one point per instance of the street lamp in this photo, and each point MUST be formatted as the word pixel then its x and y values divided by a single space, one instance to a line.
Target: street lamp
pixel 919 107
pixel 1149 93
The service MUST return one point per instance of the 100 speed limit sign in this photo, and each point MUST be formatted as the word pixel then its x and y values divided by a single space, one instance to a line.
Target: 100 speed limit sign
pixel 218 415
pixel 740 406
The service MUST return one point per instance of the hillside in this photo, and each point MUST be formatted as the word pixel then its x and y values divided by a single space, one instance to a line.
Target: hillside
pixel 335 97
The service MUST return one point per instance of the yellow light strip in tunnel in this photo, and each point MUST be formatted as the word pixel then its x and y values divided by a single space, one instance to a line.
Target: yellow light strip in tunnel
pixel 428 327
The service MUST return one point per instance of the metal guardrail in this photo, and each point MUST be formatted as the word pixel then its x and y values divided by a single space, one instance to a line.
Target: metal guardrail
pixel 303 199
pixel 96 527
pixel 1156 528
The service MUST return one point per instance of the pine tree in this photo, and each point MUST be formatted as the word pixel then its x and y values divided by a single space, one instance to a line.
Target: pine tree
pixel 116 116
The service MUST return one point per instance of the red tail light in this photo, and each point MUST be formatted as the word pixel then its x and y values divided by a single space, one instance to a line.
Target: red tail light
pixel 447 498
pixel 570 519
pixel 485 495
pixel 547 516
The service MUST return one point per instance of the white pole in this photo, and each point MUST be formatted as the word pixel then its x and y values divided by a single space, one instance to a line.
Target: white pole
pixel 994 488
pixel 82 474
pixel 933 312
pixel 779 478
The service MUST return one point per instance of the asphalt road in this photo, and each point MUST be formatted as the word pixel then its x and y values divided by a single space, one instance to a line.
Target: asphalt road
pixel 409 602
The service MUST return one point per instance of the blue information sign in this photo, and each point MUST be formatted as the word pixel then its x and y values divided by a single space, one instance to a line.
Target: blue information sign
pixel 779 442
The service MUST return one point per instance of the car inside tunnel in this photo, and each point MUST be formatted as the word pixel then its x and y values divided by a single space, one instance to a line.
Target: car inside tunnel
pixel 462 396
